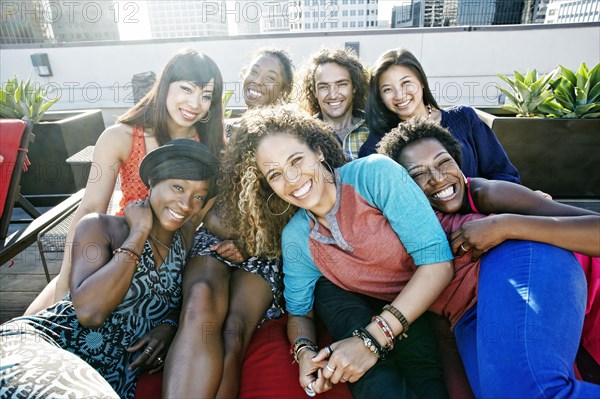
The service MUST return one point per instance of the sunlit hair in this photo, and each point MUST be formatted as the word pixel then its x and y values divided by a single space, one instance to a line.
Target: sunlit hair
pixel 151 111
pixel 379 118
pixel 348 60
pixel 415 130
pixel 244 188
pixel 287 68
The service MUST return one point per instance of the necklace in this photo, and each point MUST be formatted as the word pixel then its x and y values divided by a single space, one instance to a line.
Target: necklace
pixel 154 240
pixel 429 111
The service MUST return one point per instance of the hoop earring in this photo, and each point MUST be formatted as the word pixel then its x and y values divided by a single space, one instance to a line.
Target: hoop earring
pixel 330 169
pixel 205 118
pixel 273 213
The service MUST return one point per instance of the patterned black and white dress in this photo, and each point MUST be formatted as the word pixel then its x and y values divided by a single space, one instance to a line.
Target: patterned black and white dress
pixel 37 351
pixel 269 269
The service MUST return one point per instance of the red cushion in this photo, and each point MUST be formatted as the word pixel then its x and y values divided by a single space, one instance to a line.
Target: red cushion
pixel 11 133
pixel 267 372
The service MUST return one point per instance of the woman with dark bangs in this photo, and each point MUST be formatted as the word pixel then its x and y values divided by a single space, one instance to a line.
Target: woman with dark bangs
pixel 185 102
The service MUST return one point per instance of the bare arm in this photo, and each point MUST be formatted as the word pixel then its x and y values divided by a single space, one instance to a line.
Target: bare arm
pixel 495 196
pixel 527 216
pixel 574 233
pixel 111 149
pixel 100 279
pixel 310 371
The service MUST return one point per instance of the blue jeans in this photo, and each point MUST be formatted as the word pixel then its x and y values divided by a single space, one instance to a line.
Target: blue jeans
pixel 411 370
pixel 521 339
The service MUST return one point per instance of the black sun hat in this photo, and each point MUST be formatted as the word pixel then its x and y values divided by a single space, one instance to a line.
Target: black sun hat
pixel 184 159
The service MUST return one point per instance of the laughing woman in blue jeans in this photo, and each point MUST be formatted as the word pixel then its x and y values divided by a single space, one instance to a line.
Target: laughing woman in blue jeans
pixel 521 336
pixel 517 314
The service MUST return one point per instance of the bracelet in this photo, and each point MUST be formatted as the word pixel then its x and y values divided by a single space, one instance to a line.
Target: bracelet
pixel 129 252
pixel 169 321
pixel 397 314
pixel 297 354
pixel 386 330
pixel 371 343
pixel 296 351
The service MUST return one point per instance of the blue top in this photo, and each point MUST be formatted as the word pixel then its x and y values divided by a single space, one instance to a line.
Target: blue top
pixel 380 227
pixel 483 156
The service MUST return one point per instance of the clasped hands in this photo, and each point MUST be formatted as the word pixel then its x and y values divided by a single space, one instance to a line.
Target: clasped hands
pixel 342 361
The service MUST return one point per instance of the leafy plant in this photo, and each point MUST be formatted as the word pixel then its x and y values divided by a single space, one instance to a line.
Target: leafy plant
pixel 226 98
pixel 577 94
pixel 22 100
pixel 528 93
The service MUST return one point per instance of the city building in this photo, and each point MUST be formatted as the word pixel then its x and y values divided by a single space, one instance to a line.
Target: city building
pixel 24 22
pixel 561 11
pixel 319 15
pixel 407 15
pixel 186 18
pixel 76 21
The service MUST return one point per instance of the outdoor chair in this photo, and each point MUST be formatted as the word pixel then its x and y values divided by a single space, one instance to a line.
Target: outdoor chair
pixel 15 136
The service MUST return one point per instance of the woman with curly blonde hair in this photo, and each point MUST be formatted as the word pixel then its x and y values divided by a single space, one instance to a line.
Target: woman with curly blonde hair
pixel 262 215
pixel 341 224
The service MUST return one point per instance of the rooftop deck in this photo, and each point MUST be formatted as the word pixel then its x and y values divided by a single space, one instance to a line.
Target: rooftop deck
pixel 461 62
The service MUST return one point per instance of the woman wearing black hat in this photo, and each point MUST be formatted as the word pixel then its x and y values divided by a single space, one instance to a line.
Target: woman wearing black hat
pixel 125 290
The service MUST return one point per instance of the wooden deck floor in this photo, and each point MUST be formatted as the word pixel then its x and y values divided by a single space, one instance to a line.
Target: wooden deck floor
pixel 23 281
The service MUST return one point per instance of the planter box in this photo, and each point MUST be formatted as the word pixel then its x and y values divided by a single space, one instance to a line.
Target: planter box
pixel 60 134
pixel 557 156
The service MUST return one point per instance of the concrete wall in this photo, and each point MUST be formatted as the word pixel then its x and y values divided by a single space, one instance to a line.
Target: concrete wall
pixel 461 63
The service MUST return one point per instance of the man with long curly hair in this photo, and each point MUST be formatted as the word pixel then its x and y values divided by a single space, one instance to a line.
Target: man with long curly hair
pixel 334 89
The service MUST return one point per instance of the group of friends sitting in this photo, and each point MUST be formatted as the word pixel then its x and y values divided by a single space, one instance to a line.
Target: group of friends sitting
pixel 339 196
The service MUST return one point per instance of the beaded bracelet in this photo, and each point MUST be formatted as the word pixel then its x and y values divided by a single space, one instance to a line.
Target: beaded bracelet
pixel 397 314
pixel 371 343
pixel 129 252
pixel 302 343
pixel 169 321
pixel 386 330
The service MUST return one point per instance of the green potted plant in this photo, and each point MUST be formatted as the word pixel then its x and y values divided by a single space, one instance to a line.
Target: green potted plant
pixel 550 130
pixel 58 135
pixel 21 100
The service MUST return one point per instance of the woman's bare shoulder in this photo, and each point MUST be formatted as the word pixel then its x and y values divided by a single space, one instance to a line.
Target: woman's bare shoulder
pixel 116 139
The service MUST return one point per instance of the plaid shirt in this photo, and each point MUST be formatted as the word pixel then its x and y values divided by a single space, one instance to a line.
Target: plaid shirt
pixel 355 138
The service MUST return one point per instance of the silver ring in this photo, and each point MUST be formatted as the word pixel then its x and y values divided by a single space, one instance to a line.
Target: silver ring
pixel 343 379
pixel 159 359
pixel 309 390
pixel 328 367
pixel 463 248
pixel 148 350
pixel 329 350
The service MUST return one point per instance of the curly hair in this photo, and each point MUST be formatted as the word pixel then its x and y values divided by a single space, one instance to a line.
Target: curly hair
pixel 346 59
pixel 379 118
pixel 414 130
pixel 287 67
pixel 244 189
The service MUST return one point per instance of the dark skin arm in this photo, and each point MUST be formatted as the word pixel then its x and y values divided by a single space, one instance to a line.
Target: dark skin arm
pixel 525 215
pixel 310 371
pixel 97 273
pixel 227 248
